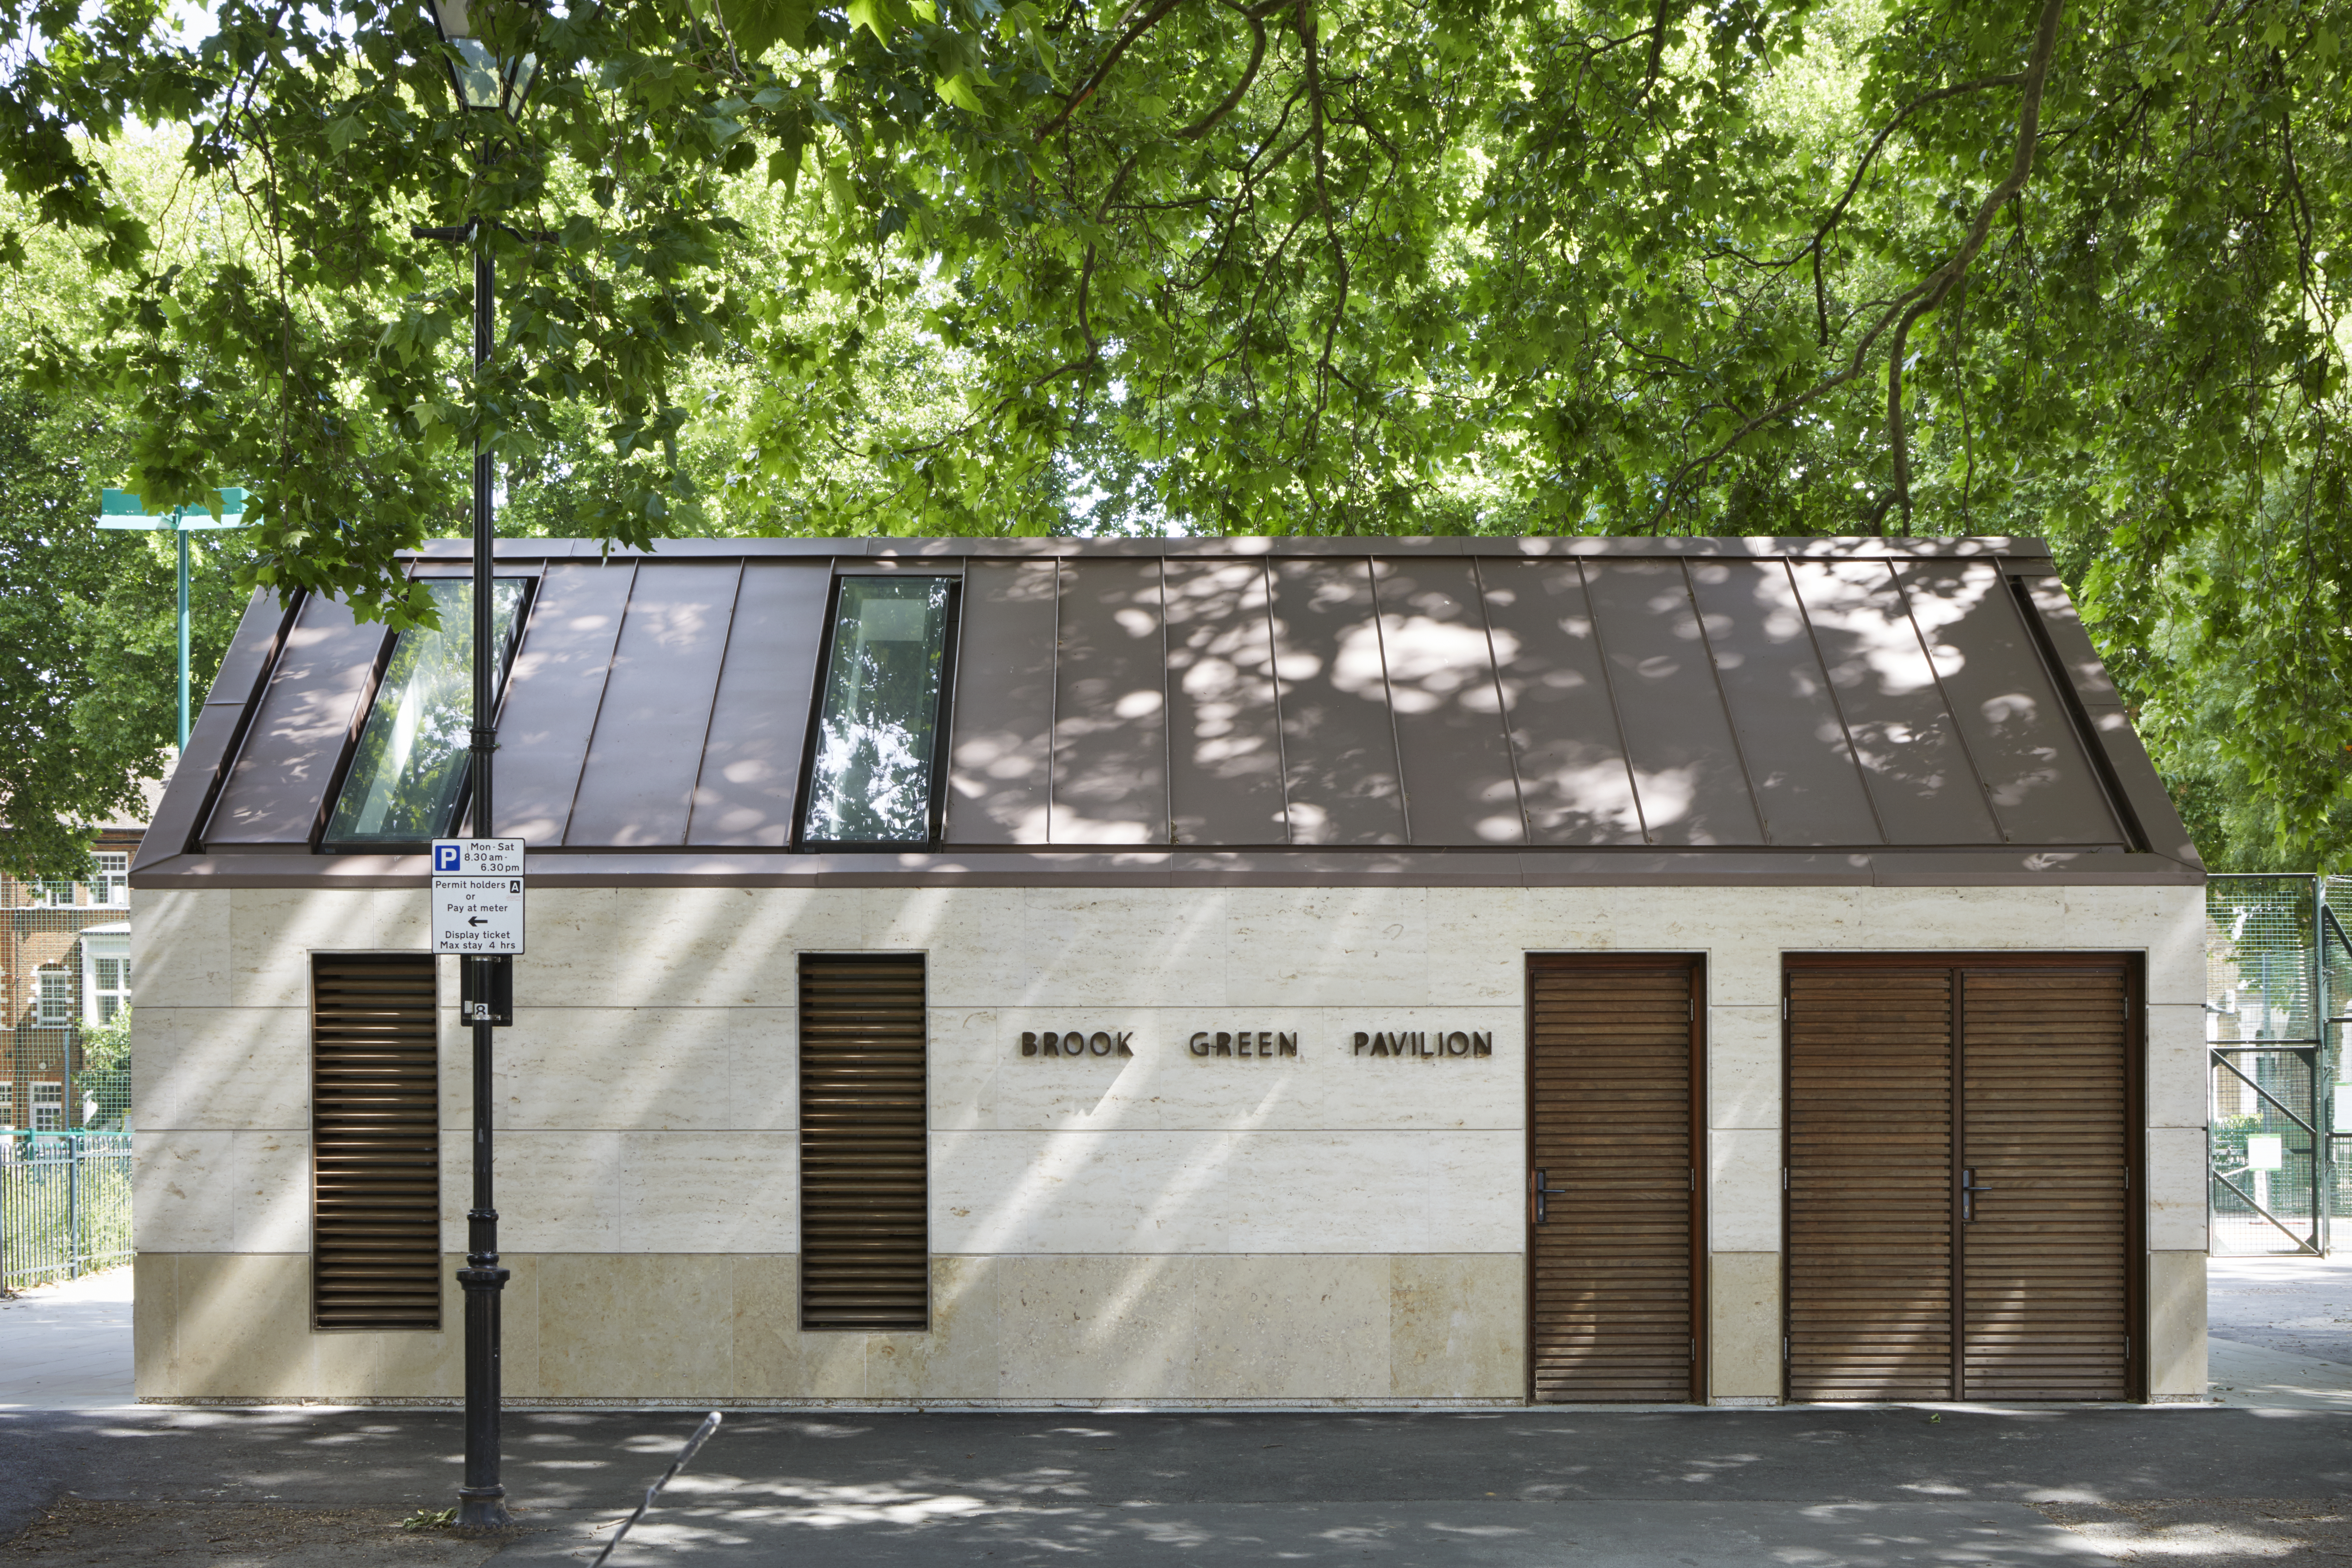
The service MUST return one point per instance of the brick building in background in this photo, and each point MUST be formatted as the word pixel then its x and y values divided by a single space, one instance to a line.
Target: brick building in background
pixel 65 967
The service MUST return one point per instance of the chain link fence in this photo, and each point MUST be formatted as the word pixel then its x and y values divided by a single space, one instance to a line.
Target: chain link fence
pixel 2274 986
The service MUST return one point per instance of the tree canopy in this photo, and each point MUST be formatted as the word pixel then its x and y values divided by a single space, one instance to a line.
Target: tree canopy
pixel 1336 265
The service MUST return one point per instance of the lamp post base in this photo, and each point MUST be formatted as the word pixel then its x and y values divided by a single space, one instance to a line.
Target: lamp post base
pixel 482 1500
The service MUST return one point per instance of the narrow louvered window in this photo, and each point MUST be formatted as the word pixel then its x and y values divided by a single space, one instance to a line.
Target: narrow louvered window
pixel 864 1230
pixel 375 1243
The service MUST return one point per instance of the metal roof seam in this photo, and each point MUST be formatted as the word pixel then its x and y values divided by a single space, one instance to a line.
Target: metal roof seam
pixel 726 646
pixel 1723 698
pixel 1616 713
pixel 588 745
pixel 1837 704
pixel 1943 691
pixel 1502 707
pixel 1388 694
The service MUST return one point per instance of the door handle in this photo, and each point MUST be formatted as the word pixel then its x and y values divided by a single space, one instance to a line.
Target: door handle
pixel 1968 1191
pixel 1538 1189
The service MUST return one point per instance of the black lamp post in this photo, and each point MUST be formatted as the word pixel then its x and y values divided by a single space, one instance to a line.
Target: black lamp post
pixel 483 81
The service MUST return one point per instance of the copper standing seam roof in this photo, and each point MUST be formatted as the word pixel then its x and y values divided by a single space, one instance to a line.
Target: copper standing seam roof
pixel 1276 711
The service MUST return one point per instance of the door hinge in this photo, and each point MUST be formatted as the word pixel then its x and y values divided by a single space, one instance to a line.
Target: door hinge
pixel 1784 1347
pixel 1784 1178
pixel 1694 1350
pixel 1784 1009
pixel 1694 1176
pixel 1690 1005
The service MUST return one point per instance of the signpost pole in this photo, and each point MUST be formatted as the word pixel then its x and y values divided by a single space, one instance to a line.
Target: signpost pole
pixel 481 1501
pixel 181 535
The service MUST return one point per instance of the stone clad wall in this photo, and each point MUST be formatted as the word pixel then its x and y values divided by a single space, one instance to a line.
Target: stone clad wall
pixel 1329 1227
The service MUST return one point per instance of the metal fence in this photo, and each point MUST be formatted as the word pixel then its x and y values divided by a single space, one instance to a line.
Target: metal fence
pixel 2278 985
pixel 65 1206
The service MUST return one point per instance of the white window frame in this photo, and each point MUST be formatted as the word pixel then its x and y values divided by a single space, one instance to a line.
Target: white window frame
pixel 112 889
pixel 53 998
pixel 8 1104
pixel 49 893
pixel 94 995
pixel 48 1107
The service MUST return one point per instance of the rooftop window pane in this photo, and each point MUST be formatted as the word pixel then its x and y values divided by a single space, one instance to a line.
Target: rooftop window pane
pixel 410 769
pixel 870 779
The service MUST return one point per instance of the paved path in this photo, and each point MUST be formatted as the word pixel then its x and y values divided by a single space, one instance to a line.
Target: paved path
pixel 67 1344
pixel 1517 1489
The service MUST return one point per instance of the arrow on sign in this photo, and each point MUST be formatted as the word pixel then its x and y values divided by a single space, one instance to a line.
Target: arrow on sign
pixel 479 921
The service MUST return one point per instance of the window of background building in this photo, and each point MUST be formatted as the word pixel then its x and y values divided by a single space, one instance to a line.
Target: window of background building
pixel 870 776
pixel 7 1105
pixel 48 1107
pixel 409 772
pixel 113 884
pixel 105 978
pixel 55 1000
pixel 52 892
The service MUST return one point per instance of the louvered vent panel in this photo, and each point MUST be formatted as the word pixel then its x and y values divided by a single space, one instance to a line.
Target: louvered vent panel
pixel 865 1227
pixel 375 1143
pixel 1612 1101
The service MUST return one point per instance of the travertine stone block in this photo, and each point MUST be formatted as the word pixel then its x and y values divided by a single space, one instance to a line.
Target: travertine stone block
pixel 1327 947
pixel 219 1067
pixel 154 1325
pixel 271 1179
pixel 2176 1183
pixel 2175 1327
pixel 1478 939
pixel 273 931
pixel 708 1191
pixel 2167 923
pixel 635 1325
pixel 649 1068
pixel 182 1191
pixel 1457 1326
pixel 179 948
pixel 1743 1067
pixel 1744 1325
pixel 1227 1192
pixel 979 1079
pixel 2179 1091
pixel 557 1192
pixel 970 939
pixel 1743 1190
pixel 958 1357
pixel 1094 1328
pixel 1286 1327
pixel 417 1363
pixel 772 1358
pixel 244 1328
pixel 1111 948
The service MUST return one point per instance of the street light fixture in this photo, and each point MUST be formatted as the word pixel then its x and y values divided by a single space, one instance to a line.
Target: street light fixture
pixel 120 508
pixel 483 81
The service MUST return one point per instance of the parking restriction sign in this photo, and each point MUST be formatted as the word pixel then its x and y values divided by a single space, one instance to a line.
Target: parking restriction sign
pixel 478 889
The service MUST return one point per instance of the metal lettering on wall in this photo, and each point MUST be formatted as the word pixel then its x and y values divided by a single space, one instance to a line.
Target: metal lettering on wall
pixel 1074 1043
pixel 1244 1043
pixel 1429 1045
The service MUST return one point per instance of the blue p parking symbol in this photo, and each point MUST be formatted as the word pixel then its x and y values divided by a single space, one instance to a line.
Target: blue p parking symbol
pixel 446 857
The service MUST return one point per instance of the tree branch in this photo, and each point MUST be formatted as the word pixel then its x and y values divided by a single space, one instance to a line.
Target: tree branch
pixel 1929 291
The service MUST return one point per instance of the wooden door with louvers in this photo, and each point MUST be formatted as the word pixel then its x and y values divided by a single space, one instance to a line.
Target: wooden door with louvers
pixel 1960 1165
pixel 1614 1221
pixel 375 1143
pixel 864 1188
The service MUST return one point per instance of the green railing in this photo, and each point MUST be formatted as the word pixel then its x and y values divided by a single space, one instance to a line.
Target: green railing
pixel 65 1206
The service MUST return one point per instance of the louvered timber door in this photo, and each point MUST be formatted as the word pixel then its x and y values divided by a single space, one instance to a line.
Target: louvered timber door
pixel 2047 1161
pixel 1960 1164
pixel 375 1143
pixel 865 1259
pixel 1613 1231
